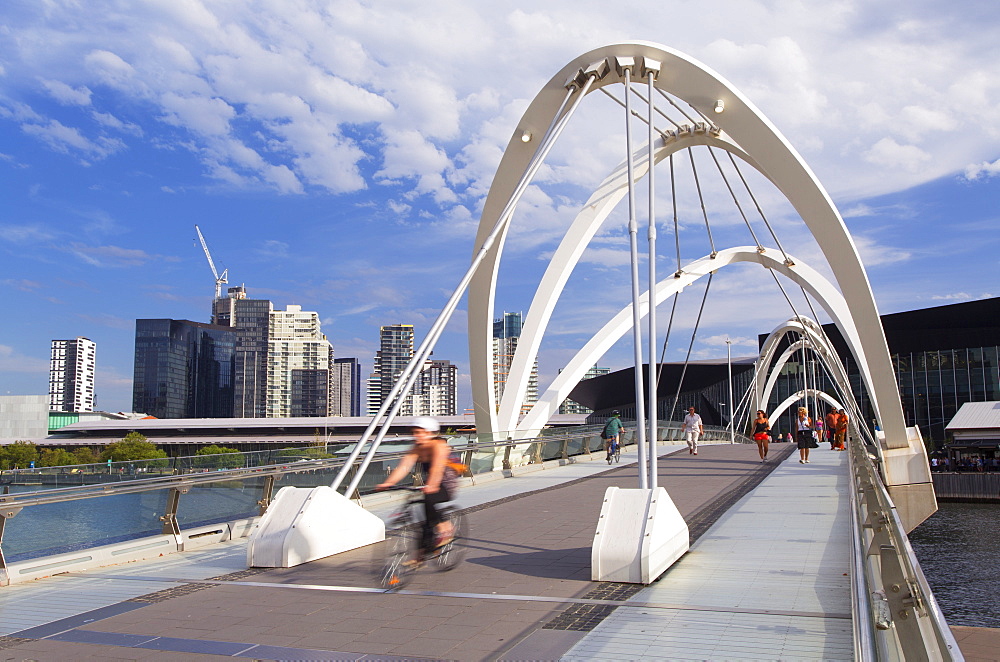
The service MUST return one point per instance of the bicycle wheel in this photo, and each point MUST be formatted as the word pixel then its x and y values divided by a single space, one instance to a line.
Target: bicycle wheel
pixel 618 452
pixel 397 569
pixel 451 554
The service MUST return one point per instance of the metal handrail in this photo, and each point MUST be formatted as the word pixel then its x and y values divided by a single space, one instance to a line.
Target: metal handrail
pixel 910 622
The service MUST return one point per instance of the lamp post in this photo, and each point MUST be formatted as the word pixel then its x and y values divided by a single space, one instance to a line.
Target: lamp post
pixel 729 363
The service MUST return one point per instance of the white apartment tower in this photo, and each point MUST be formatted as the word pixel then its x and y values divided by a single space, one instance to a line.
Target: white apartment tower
pixel 71 375
pixel 298 364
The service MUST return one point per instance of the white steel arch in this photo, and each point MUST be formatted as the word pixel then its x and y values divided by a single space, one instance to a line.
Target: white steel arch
pixel 745 126
pixel 812 281
pixel 799 395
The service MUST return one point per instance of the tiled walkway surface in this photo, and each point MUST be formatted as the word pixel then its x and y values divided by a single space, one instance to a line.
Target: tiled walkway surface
pixel 770 580
pixel 765 582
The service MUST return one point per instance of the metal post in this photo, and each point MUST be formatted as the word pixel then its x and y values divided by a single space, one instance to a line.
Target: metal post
pixel 633 230
pixel 169 519
pixel 266 492
pixel 651 382
pixel 6 512
pixel 729 363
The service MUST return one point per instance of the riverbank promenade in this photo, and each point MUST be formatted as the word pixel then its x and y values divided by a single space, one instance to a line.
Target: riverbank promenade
pixel 766 578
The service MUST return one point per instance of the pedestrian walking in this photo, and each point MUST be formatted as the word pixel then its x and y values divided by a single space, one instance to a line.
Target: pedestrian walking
pixel 840 436
pixel 831 428
pixel 804 434
pixel 693 429
pixel 761 430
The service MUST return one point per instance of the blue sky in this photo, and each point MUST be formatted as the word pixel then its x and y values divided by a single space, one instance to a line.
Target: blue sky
pixel 336 155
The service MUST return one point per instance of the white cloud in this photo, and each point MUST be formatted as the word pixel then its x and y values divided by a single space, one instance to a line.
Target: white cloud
pixel 889 154
pixel 12 361
pixel 66 94
pixel 68 140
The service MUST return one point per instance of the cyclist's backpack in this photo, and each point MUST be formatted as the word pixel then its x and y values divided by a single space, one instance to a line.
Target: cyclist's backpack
pixel 453 468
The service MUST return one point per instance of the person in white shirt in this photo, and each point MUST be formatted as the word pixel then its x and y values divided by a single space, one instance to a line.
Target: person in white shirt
pixel 693 429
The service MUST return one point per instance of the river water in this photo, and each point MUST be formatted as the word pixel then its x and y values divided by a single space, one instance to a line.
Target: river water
pixel 959 551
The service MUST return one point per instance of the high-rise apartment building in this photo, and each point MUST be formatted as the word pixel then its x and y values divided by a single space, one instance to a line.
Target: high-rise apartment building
pixel 251 318
pixel 72 364
pixel 224 308
pixel 345 387
pixel 297 345
pixel 571 406
pixel 183 369
pixel 435 393
pixel 394 353
pixel 506 333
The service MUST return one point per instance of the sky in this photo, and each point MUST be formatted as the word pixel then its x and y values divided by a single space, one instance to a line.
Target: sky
pixel 336 156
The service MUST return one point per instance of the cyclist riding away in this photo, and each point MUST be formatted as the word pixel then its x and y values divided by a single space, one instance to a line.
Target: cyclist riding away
pixel 432 453
pixel 612 433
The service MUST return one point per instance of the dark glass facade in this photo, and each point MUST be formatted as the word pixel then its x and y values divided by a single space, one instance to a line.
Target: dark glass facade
pixel 943 357
pixel 309 392
pixel 183 369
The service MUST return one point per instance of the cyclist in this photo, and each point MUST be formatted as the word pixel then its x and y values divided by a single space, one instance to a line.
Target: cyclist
pixel 431 451
pixel 612 433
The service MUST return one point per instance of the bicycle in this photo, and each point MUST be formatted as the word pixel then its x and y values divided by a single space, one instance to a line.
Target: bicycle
pixel 615 452
pixel 405 537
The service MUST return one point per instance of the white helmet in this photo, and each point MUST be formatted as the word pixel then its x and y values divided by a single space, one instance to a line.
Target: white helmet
pixel 426 423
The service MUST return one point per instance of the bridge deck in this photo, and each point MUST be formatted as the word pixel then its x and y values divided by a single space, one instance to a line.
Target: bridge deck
pixel 766 581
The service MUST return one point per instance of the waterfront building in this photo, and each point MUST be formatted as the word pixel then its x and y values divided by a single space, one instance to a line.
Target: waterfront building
pixel 570 406
pixel 506 333
pixel 394 353
pixel 23 417
pixel 298 364
pixel 183 369
pixel 72 365
pixel 345 387
pixel 943 357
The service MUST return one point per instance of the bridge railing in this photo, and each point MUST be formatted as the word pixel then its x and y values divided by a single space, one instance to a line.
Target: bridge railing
pixel 895 615
pixel 174 495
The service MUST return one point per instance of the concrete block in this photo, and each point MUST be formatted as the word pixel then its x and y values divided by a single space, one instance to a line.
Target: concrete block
pixel 640 533
pixel 305 524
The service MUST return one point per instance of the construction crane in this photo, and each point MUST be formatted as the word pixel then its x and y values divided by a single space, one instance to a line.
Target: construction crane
pixel 219 280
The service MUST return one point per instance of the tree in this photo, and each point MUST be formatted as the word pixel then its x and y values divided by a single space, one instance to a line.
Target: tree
pixel 85 455
pixel 18 455
pixel 56 457
pixel 133 447
pixel 218 457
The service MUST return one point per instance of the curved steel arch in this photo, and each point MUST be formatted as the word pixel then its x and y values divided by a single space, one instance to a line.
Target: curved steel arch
pixel 564 260
pixel 812 281
pixel 798 395
pixel 774 157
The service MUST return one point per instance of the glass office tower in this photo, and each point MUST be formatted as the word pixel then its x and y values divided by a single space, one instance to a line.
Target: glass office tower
pixel 183 369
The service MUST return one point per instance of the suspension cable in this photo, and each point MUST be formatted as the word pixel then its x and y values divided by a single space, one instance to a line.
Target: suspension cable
pixel 694 333
pixel 405 382
pixel 636 114
pixel 760 211
pixel 701 199
pixel 736 201
pixel 677 232
pixel 671 102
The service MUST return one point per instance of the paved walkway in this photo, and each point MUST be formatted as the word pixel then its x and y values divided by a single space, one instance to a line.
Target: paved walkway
pixel 527 574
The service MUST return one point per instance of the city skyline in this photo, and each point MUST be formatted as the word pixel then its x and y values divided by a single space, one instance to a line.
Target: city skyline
pixel 342 167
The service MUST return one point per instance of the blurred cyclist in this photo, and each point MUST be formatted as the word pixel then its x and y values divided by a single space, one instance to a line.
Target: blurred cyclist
pixel 431 451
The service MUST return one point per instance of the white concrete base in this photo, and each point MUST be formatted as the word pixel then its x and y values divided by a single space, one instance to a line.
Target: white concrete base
pixel 639 535
pixel 305 524
pixel 908 478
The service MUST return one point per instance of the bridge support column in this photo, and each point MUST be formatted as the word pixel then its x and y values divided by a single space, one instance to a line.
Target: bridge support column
pixel 640 534
pixel 908 479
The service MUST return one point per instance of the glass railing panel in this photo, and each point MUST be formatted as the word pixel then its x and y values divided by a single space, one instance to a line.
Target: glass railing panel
pixel 68 526
pixel 219 502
